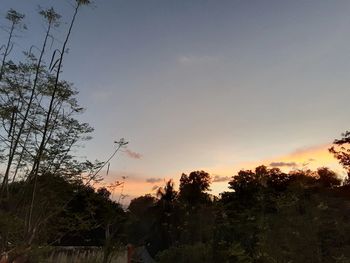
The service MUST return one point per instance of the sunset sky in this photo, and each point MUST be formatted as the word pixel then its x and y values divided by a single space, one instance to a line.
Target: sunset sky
pixel 201 84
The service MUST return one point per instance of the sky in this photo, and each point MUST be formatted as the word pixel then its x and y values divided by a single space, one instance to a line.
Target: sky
pixel 204 85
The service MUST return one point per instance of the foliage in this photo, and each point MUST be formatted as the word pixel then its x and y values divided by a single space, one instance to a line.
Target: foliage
pixel 194 186
pixel 341 151
pixel 46 193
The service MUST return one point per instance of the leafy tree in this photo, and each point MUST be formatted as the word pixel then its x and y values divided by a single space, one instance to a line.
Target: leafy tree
pixel 341 152
pixel 138 207
pixel 167 194
pixel 142 227
pixel 328 178
pixel 193 187
pixel 38 134
pixel 273 216
pixel 168 214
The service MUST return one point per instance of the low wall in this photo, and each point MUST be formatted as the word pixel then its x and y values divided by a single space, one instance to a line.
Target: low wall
pixel 68 255
pixel 84 255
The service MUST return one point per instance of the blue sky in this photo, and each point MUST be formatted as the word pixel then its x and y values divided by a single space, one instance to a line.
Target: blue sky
pixel 204 84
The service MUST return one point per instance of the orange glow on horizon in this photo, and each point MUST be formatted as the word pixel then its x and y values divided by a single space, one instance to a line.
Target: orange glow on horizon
pixel 307 158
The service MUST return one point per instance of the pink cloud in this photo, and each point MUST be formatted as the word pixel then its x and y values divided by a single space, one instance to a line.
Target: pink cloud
pixel 133 155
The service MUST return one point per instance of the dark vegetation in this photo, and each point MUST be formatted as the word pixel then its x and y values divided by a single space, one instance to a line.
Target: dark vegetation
pixel 47 196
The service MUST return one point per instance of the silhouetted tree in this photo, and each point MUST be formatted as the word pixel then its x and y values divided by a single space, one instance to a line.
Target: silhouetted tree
pixel 167 194
pixel 272 216
pixel 142 220
pixel 193 187
pixel 341 151
pixel 38 134
pixel 328 178
pixel 15 18
pixel 139 206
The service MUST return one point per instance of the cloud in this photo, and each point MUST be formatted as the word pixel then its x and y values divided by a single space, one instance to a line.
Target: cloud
pixel 133 155
pixel 311 149
pixel 153 180
pixel 218 178
pixel 283 164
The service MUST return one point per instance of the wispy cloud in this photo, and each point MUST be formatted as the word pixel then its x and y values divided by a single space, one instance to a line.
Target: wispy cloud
pixel 154 180
pixel 311 149
pixel 133 155
pixel 219 179
pixel 283 164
